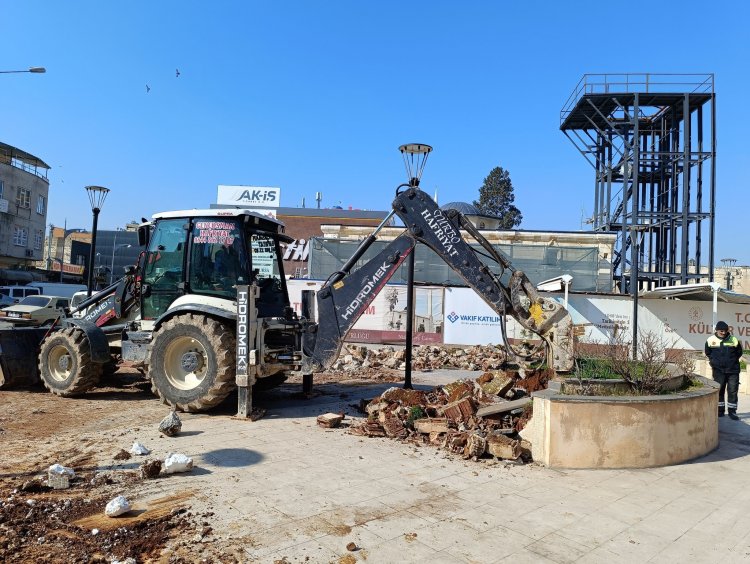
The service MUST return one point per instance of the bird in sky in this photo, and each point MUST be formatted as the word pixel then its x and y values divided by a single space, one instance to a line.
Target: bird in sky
pixel 148 89
pixel 177 73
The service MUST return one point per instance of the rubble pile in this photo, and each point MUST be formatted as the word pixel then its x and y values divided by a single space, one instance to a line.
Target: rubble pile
pixel 467 417
pixel 424 357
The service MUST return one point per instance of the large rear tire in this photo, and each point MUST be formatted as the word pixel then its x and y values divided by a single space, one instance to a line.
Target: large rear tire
pixel 65 364
pixel 191 364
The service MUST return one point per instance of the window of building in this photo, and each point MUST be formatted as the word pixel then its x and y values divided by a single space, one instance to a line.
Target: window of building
pixel 23 198
pixel 40 205
pixel 38 239
pixel 2 188
pixel 20 236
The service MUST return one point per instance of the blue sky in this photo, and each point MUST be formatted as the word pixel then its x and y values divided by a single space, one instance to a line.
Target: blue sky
pixel 317 96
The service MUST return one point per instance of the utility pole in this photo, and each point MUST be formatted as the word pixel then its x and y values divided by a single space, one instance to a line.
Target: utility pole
pixel 49 247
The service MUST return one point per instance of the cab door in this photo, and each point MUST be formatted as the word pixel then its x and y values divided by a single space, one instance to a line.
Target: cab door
pixel 164 271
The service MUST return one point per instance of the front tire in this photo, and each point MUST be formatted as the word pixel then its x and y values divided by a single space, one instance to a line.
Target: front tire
pixel 65 364
pixel 191 364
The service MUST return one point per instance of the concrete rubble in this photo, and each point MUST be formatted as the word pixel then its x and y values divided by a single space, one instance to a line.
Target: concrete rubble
pixel 424 357
pixel 59 476
pixel 177 462
pixel 471 418
pixel 330 420
pixel 170 425
pixel 139 449
pixel 116 507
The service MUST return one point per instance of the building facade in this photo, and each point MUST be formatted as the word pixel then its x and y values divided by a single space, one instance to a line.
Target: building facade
pixel 24 193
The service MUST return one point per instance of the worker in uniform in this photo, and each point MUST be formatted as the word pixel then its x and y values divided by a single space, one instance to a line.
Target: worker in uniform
pixel 724 351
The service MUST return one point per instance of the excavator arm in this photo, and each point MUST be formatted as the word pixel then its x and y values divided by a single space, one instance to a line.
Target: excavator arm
pixel 346 295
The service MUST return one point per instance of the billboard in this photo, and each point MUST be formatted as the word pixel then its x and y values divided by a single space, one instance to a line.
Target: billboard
pixel 251 196
pixel 469 320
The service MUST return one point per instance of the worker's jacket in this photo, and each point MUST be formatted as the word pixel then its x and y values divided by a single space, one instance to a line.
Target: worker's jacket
pixel 724 354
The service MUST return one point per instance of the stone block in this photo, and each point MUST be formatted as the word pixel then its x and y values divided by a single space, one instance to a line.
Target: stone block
pixel 431 425
pixel 330 420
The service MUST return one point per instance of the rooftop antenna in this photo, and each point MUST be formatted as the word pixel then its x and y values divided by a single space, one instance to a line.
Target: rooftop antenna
pixel 318 198
pixel 415 157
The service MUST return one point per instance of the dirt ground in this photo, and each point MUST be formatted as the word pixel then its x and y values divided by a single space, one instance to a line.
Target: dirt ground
pixel 38 524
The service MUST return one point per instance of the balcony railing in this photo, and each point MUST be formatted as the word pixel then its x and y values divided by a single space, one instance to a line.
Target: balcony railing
pixel 643 83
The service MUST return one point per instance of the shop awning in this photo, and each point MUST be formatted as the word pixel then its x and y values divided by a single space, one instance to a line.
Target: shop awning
pixel 705 292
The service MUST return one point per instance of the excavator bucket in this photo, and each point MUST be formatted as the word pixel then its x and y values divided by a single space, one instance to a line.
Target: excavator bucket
pixel 19 354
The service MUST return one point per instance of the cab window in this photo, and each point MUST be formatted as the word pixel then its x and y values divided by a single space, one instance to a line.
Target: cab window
pixel 163 271
pixel 268 274
pixel 218 259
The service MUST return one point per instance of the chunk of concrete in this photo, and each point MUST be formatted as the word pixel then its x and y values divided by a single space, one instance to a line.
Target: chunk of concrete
pixel 116 507
pixel 330 420
pixel 58 477
pixel 502 407
pixel 503 447
pixel 476 445
pixel 177 463
pixel 431 425
pixel 139 449
pixel 170 425
pixel 495 383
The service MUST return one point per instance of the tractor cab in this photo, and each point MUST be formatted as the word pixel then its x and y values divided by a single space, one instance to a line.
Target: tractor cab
pixel 210 253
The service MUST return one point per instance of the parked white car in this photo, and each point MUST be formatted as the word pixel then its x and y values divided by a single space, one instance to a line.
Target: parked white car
pixel 35 310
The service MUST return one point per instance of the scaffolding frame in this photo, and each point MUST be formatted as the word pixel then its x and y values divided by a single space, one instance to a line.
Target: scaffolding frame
pixel 644 134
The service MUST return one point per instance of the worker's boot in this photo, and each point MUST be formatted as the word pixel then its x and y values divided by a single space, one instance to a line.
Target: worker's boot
pixel 733 415
pixel 721 412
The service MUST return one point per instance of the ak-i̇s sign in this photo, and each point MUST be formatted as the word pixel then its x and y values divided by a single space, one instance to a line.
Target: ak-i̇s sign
pixel 250 196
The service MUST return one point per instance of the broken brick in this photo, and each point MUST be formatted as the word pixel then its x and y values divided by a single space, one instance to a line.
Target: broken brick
pixel 394 427
pixel 459 410
pixel 455 441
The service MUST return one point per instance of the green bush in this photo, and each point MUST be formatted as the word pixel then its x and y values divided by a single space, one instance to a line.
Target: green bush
pixel 594 369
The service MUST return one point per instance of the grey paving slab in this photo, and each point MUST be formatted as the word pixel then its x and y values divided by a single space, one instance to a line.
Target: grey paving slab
pixel 284 488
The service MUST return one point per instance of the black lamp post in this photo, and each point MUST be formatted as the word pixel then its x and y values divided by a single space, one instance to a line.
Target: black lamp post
pixel 97 195
pixel 729 265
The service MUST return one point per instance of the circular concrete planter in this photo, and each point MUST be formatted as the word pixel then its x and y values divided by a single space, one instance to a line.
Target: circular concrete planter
pixel 569 431
pixel 601 387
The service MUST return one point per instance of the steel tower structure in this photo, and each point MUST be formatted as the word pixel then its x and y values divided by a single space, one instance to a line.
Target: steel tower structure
pixel 651 139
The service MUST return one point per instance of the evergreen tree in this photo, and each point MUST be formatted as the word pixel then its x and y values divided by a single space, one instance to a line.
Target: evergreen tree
pixel 496 198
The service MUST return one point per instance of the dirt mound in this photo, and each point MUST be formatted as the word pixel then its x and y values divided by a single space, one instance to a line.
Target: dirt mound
pixel 54 527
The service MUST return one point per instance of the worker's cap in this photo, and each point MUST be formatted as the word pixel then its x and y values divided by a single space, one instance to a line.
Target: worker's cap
pixel 721 326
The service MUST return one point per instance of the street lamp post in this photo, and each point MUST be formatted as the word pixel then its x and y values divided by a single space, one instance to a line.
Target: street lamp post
pixel 97 195
pixel 728 264
pixel 33 70
pixel 112 264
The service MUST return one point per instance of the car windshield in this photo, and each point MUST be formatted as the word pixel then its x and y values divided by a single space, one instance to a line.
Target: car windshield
pixel 38 301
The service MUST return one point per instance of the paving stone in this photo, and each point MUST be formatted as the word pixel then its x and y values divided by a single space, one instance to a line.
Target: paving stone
pixel 460 511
